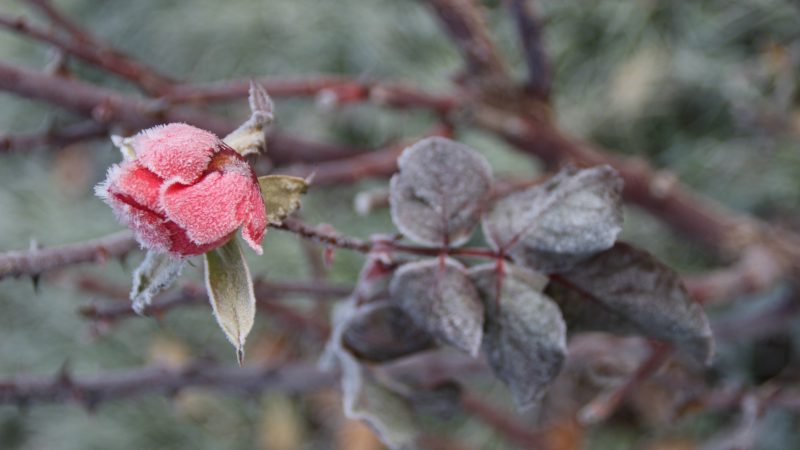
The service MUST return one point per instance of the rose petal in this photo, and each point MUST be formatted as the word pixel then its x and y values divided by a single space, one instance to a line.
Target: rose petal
pixel 139 183
pixel 147 225
pixel 254 219
pixel 181 245
pixel 209 209
pixel 176 151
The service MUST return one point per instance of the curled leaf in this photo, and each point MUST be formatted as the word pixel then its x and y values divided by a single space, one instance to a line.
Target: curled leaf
pixel 552 226
pixel 525 334
pixel 366 398
pixel 230 290
pixel 440 299
pixel 156 272
pixel 437 196
pixel 249 138
pixel 625 290
pixel 281 194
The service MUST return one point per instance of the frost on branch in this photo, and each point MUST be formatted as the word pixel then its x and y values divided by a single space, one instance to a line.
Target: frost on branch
pixel 441 299
pixel 549 227
pixel 438 194
pixel 525 335
pixel 625 290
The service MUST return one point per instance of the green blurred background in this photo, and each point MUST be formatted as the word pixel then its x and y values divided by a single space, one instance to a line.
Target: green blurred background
pixel 705 89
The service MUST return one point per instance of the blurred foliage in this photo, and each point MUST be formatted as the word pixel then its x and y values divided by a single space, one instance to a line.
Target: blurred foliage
pixel 705 89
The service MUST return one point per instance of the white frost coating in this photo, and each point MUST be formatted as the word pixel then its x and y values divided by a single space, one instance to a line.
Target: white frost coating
pixel 156 272
pixel 525 337
pixel 442 301
pixel 633 293
pixel 439 192
pixel 550 227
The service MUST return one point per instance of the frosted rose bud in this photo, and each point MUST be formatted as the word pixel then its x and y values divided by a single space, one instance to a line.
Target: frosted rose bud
pixel 184 192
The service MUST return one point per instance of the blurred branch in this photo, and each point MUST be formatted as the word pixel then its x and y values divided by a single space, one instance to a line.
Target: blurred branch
pixel 529 29
pixel 336 89
pixel 92 390
pixel 102 105
pixel 37 261
pixel 604 406
pixel 463 21
pixel 61 20
pixel 61 137
pixel 92 52
pixel 510 427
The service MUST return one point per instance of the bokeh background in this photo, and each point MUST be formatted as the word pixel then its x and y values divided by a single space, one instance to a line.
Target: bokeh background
pixel 705 89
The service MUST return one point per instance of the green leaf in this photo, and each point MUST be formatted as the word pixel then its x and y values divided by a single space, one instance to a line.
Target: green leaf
pixel 281 194
pixel 230 290
pixel 156 272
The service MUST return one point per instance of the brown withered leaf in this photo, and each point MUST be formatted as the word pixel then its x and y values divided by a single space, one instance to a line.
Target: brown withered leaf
pixel 525 335
pixel 551 226
pixel 440 298
pixel 230 291
pixel 381 331
pixel 281 194
pixel 625 290
pixel 437 196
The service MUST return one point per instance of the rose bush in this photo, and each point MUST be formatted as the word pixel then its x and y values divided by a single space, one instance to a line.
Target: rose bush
pixel 183 191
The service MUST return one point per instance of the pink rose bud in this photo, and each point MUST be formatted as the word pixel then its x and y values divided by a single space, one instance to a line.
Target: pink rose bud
pixel 185 192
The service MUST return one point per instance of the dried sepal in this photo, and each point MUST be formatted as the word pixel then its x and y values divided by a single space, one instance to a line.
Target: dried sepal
pixel 281 195
pixel 249 138
pixel 625 290
pixel 552 226
pixel 230 291
pixel 440 298
pixel 156 272
pixel 439 192
pixel 525 334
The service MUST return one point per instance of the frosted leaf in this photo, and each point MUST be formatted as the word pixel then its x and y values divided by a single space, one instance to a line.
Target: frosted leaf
pixel 156 272
pixel 230 290
pixel 249 138
pixel 381 331
pixel 438 194
pixel 440 299
pixel 550 227
pixel 364 398
pixel 525 334
pixel 625 290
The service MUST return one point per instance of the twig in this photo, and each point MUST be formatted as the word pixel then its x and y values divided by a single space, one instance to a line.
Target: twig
pixel 509 427
pixel 463 21
pixel 602 407
pixel 101 104
pixel 529 29
pixel 92 390
pixel 36 262
pixel 52 137
pixel 396 95
pixel 92 53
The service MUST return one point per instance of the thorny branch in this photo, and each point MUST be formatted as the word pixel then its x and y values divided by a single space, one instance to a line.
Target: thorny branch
pixel 764 255
pixel 91 390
